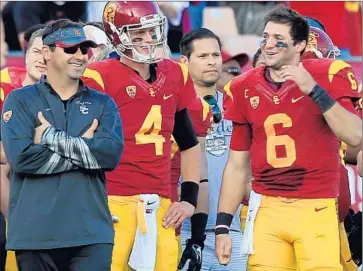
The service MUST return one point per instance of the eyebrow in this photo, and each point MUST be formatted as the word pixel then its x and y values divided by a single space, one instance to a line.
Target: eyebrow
pixel 274 35
pixel 212 53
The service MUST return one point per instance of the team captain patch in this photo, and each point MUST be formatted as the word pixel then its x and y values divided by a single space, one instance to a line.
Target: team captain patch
pixel 7 115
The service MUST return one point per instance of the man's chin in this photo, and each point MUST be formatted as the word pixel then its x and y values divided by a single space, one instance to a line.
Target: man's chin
pixel 274 66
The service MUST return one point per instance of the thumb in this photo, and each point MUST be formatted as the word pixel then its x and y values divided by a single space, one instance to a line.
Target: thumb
pixel 41 118
pixel 183 260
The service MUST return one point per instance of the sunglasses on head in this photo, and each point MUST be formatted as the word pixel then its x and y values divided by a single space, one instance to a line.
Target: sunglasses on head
pixel 217 113
pixel 72 50
pixel 233 70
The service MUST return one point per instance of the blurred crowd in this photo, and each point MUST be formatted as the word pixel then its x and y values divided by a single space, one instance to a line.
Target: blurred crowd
pixel 342 22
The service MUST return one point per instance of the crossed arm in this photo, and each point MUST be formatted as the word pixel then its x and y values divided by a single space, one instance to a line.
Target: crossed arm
pixel 59 152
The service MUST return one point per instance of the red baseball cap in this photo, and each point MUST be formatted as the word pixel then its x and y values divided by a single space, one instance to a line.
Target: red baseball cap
pixel 241 58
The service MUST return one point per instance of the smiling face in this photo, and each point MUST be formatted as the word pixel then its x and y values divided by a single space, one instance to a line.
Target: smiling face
pixel 278 48
pixel 144 39
pixel 205 62
pixel 34 60
pixel 70 62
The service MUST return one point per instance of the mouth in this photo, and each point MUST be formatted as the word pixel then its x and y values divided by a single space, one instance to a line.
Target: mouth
pixel 41 68
pixel 269 54
pixel 211 71
pixel 76 65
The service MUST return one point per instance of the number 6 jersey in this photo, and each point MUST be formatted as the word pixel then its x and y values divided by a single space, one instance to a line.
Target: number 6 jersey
pixel 147 111
pixel 294 153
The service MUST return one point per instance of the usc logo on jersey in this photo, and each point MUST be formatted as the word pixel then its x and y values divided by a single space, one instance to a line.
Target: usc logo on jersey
pixel 131 91
pixel 276 99
pixel 255 101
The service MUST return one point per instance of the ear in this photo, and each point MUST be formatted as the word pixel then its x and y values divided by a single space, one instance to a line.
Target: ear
pixel 300 46
pixel 184 60
pixel 46 52
pixel 26 56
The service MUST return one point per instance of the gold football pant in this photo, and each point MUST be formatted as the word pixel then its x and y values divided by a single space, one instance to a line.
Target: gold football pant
pixel 126 209
pixel 296 234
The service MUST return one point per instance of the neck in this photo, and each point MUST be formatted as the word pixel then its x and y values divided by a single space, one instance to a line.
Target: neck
pixel 275 73
pixel 204 91
pixel 142 68
pixel 28 80
pixel 64 88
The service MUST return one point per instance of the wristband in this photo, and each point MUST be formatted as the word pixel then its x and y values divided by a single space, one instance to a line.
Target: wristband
pixel 321 98
pixel 224 221
pixel 221 230
pixel 189 192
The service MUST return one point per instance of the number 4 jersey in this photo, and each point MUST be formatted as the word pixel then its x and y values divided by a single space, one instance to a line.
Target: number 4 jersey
pixel 147 111
pixel 294 153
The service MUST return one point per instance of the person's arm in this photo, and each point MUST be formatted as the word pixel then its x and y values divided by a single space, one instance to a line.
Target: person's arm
pixel 186 139
pixel 329 97
pixel 17 128
pixel 190 151
pixel 235 178
pixel 103 151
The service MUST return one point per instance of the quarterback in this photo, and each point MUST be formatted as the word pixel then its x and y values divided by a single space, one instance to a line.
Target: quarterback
pixel 152 95
pixel 287 117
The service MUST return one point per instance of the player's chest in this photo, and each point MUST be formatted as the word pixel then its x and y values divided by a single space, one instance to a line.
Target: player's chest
pixel 278 110
pixel 136 93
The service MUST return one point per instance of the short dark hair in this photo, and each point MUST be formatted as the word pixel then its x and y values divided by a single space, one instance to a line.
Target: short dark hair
pixel 29 32
pixel 283 15
pixel 186 43
pixel 255 57
pixel 36 34
pixel 59 24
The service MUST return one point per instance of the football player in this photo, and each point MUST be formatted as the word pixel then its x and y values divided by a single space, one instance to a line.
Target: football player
pixel 287 117
pixel 152 95
pixel 320 46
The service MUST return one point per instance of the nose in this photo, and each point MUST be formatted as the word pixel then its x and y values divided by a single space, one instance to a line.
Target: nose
pixel 212 60
pixel 40 59
pixel 79 54
pixel 267 43
pixel 149 37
